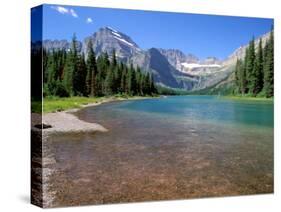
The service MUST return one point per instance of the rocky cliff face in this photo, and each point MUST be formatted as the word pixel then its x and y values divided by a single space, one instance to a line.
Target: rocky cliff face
pixel 170 67
pixel 211 61
pixel 177 57
pixel 161 68
pixel 189 63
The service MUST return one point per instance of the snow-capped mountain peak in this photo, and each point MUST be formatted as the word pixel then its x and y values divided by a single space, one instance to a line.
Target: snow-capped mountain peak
pixel 170 67
pixel 107 39
pixel 120 37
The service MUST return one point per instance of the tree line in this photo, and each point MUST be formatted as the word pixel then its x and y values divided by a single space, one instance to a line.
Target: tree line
pixel 254 74
pixel 70 73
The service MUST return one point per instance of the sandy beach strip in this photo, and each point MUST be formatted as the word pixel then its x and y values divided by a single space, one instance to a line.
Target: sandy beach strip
pixel 67 122
pixel 63 122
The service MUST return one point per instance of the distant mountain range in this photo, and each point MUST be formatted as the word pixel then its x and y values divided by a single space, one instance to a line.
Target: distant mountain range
pixel 170 67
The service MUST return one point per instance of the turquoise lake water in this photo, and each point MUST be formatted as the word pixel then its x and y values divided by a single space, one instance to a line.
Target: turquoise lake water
pixel 209 108
pixel 167 148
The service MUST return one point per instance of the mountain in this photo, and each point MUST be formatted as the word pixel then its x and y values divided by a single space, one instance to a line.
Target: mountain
pixel 170 67
pixel 189 63
pixel 60 44
pixel 240 52
pixel 161 68
pixel 107 39
pixel 215 75
pixel 177 57
pixel 211 61
pixel 167 66
pixel 227 82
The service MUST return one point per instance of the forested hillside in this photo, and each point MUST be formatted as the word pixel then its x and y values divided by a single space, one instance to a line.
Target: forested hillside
pixel 254 75
pixel 70 73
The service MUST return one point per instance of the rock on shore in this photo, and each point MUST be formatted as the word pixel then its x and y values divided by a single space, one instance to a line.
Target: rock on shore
pixel 62 122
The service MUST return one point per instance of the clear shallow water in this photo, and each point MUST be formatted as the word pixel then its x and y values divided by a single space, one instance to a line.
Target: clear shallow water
pixel 166 148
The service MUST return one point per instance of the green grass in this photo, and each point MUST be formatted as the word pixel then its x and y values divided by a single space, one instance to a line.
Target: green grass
pixel 54 104
pixel 248 98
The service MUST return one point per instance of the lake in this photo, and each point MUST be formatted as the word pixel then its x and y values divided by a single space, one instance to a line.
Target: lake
pixel 165 148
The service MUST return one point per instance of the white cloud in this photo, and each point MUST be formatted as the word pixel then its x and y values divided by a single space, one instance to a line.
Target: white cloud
pixel 89 20
pixel 73 13
pixel 64 11
pixel 60 9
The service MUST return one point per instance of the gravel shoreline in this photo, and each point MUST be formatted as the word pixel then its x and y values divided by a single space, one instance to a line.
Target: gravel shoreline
pixel 42 127
pixel 62 122
pixel 65 121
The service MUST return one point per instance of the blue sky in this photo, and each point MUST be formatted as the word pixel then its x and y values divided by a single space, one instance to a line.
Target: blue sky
pixel 201 35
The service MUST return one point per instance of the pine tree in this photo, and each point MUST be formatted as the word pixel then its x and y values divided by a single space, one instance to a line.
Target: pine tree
pixel 242 82
pixel 269 67
pixel 91 70
pixel 152 86
pixel 250 66
pixel 128 87
pixel 133 81
pixel 45 65
pixel 258 71
pixel 103 65
pixel 139 81
pixel 79 73
pixel 79 77
pixel 106 59
pixel 71 66
pixel 53 72
pixel 109 83
pixel 123 86
pixel 52 68
pixel 69 73
pixel 117 79
pixel 98 84
pixel 243 74
pixel 238 78
pixel 257 77
pixel 146 84
pixel 114 60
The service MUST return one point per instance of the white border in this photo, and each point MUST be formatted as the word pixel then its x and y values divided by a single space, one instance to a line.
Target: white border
pixel 14 111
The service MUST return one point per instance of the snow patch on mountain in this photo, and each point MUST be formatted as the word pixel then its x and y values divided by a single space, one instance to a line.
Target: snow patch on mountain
pixel 198 69
pixel 124 41
pixel 113 30
pixel 197 65
pixel 116 34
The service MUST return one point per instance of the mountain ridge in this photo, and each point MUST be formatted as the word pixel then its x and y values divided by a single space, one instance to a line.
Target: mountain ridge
pixel 170 67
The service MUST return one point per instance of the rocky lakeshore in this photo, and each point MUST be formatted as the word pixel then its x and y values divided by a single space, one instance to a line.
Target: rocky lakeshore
pixel 67 122
pixel 44 126
pixel 63 122
pixel 156 149
pixel 42 160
